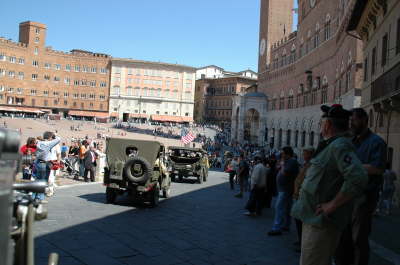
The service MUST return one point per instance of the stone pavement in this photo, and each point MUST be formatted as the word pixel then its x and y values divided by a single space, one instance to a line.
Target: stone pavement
pixel 199 224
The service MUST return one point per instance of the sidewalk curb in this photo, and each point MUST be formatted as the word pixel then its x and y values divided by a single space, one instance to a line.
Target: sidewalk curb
pixel 77 184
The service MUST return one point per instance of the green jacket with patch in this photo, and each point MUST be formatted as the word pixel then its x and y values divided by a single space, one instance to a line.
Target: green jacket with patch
pixel 335 168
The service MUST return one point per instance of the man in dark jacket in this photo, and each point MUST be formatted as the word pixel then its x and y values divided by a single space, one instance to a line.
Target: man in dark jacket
pixel 90 164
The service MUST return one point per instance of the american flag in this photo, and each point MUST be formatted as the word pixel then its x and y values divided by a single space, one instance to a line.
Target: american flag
pixel 186 136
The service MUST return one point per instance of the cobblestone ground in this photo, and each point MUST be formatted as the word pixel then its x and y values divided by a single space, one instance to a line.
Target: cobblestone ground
pixel 199 224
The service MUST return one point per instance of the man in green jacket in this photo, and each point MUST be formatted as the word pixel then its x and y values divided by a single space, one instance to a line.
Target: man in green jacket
pixel 334 178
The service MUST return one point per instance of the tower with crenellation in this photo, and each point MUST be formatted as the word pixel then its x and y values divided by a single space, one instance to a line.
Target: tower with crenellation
pixel 275 24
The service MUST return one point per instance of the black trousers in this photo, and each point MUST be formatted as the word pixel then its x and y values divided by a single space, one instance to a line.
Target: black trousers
pixel 92 173
pixel 353 248
pixel 231 179
pixel 299 227
pixel 255 202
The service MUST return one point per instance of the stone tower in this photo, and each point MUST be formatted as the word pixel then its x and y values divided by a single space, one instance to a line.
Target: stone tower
pixel 33 34
pixel 275 23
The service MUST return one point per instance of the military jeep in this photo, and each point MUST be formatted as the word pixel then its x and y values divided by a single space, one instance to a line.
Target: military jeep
pixel 187 162
pixel 137 167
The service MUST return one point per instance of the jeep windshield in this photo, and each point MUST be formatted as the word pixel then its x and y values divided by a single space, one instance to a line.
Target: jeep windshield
pixel 184 155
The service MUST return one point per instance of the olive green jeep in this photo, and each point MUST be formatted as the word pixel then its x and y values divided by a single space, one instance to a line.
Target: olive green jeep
pixel 187 162
pixel 137 167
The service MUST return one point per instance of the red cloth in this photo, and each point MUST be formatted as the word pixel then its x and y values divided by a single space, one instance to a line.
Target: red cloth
pixel 24 149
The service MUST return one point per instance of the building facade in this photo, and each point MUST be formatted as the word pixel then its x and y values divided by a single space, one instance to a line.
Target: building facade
pixel 214 98
pixel 38 77
pixel 151 90
pixel 317 64
pixel 213 71
pixel 377 23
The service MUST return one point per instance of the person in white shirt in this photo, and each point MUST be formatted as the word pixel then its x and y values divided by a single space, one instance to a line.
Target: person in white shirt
pixel 43 158
pixel 258 184
pixel 55 156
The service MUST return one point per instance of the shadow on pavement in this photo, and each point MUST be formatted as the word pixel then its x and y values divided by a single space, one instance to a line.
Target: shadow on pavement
pixel 204 226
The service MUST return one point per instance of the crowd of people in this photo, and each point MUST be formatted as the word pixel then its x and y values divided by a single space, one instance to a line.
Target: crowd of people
pixel 44 157
pixel 331 196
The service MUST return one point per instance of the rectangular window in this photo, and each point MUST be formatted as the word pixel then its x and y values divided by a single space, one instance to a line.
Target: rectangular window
pixel 103 70
pixel 46 77
pixel 33 93
pixel 103 84
pixel 94 70
pixel 373 61
pixel 67 67
pixel 66 94
pixel 20 90
pixel 3 57
pixel 21 75
pixel 57 66
pixel 67 80
pixel 11 74
pixel 12 59
pixel 77 68
pixel 36 51
pixel 76 82
pixel 35 63
pixel 384 49
pixel 47 65
pixel 46 93
pixel 56 79
pixel 2 72
pixel 20 61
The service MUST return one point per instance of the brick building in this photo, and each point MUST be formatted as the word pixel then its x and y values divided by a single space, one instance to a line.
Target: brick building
pixel 151 90
pixel 34 77
pixel 214 97
pixel 298 71
pixel 378 24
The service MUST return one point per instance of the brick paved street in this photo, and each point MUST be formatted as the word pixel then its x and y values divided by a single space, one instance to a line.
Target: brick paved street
pixel 199 224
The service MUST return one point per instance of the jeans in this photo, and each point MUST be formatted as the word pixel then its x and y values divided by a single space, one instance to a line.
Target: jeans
pixel 42 174
pixel 283 205
pixel 81 167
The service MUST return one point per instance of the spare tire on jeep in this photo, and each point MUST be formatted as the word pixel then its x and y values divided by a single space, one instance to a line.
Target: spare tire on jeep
pixel 138 169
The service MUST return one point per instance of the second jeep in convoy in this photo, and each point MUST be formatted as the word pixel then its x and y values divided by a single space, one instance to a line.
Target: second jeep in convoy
pixel 187 162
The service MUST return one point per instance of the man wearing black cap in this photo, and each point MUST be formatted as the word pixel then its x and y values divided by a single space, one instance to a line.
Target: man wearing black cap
pixel 334 178
pixel 371 150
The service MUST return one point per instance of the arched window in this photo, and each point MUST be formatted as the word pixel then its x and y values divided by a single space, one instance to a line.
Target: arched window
pixel 324 90
pixel 312 139
pixel 303 138
pixel 316 36
pixel 371 118
pixel 381 119
pixel 129 91
pixel 116 90
pixel 327 28
pixel 288 137
pixel 293 54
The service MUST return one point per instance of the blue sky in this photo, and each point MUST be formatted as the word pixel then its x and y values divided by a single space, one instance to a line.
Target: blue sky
pixel 195 33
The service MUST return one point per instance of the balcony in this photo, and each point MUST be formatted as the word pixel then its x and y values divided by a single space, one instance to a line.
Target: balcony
pixel 386 85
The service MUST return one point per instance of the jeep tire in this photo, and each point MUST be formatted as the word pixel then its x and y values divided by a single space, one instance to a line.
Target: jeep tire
pixel 155 196
pixel 111 195
pixel 138 177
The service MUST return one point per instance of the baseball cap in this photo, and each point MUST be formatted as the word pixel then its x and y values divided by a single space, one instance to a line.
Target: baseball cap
pixel 335 111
